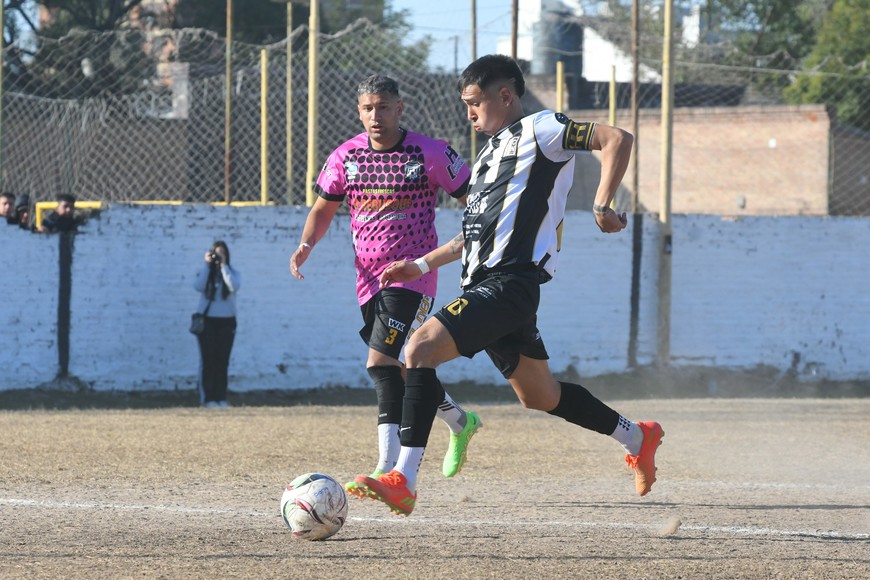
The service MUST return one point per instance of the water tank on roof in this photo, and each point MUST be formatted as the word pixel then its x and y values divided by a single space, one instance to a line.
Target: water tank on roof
pixel 557 36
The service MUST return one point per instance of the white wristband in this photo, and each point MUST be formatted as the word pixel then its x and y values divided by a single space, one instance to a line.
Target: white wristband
pixel 305 245
pixel 421 263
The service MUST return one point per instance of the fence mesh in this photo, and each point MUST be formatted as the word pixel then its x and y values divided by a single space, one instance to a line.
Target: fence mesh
pixel 134 115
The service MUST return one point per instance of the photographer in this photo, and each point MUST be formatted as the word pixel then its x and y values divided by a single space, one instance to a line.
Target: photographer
pixel 217 282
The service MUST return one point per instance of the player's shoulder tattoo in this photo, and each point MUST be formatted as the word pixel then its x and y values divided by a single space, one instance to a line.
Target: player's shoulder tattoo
pixel 577 136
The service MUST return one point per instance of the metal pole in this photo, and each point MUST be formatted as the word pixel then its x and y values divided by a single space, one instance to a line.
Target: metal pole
pixel 637 222
pixel 2 65
pixel 612 96
pixel 515 10
pixel 473 58
pixel 560 86
pixel 264 127
pixel 635 97
pixel 228 95
pixel 313 57
pixel 289 105
pixel 455 54
pixel 664 294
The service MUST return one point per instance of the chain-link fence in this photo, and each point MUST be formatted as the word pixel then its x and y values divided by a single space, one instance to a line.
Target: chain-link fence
pixel 136 115
pixel 133 116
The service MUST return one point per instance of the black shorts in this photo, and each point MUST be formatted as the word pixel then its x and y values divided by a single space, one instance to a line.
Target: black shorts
pixel 498 315
pixel 391 317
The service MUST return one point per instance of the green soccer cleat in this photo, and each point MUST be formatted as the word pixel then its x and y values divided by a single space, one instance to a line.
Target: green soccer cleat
pixel 358 487
pixel 457 451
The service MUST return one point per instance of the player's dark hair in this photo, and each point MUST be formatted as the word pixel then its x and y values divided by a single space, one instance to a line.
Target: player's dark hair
pixel 67 197
pixel 377 84
pixel 9 195
pixel 490 69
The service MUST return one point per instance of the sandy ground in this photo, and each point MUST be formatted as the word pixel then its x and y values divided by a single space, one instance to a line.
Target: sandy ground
pixel 748 488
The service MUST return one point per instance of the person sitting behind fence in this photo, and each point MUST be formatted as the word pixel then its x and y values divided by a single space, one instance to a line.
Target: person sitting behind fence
pixel 21 215
pixel 63 218
pixel 7 206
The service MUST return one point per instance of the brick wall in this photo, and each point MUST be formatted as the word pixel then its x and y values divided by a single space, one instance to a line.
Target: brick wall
pixel 729 161
pixel 785 292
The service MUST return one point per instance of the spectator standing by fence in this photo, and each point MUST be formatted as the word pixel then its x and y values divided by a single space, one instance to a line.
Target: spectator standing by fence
pixel 63 218
pixel 217 282
pixel 22 212
pixel 7 206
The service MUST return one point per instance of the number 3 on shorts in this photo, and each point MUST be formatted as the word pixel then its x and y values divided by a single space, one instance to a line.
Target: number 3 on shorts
pixel 392 338
pixel 456 306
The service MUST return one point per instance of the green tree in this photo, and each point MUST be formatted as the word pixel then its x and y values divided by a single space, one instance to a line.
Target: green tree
pixel 773 33
pixel 388 48
pixel 254 21
pixel 836 71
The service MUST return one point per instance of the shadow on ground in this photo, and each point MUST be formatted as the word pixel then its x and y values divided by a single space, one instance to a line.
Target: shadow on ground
pixel 643 383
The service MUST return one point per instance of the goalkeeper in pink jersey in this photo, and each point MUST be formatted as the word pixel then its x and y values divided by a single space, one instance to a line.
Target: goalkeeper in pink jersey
pixel 390 178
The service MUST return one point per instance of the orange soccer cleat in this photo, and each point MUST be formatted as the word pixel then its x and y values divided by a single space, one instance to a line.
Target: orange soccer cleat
pixel 644 463
pixel 392 489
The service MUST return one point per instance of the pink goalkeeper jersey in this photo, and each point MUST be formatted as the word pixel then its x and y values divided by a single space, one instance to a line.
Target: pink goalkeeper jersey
pixel 392 196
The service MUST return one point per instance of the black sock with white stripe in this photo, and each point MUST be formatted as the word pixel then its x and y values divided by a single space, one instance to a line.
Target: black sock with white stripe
pixel 579 406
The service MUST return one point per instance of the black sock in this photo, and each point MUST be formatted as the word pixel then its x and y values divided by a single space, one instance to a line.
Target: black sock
pixel 390 389
pixel 580 407
pixel 423 393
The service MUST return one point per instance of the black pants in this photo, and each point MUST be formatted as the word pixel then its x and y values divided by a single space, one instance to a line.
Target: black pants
pixel 215 346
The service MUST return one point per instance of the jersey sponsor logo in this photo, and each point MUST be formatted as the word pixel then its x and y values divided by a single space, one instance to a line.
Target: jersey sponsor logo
pixel 577 136
pixel 455 162
pixel 393 323
pixel 483 291
pixel 562 118
pixel 510 149
pixel 325 169
pixel 422 313
pixel 476 202
pixel 413 170
pixel 351 169
pixel 383 204
pixel 391 217
pixel 425 308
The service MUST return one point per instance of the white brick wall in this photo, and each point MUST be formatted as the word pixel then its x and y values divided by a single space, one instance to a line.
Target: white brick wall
pixel 28 307
pixel 765 291
pixel 746 293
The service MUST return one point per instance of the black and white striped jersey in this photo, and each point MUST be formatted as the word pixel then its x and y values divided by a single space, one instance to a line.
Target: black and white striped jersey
pixel 517 195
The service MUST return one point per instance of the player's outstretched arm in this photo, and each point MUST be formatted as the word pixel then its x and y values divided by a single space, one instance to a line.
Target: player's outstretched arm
pixel 615 145
pixel 316 224
pixel 410 270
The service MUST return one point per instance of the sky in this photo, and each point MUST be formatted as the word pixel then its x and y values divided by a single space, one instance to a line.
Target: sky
pixel 448 22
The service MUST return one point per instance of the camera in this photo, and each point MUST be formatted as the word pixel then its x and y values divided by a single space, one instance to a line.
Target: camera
pixel 215 258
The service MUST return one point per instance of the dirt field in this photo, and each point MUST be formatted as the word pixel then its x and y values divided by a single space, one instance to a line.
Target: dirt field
pixel 762 488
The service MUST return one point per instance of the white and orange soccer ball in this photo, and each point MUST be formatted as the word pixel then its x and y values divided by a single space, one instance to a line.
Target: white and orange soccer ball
pixel 314 506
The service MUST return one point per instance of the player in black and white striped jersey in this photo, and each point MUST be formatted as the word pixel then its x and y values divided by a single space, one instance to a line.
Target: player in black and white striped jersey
pixel 509 246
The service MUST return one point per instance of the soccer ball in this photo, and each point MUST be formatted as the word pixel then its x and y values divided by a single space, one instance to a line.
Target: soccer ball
pixel 314 506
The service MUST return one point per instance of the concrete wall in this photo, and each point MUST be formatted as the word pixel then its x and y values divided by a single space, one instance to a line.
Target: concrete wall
pixel 785 292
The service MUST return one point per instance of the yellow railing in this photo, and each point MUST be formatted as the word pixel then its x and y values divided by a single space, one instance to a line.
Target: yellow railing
pixel 43 206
